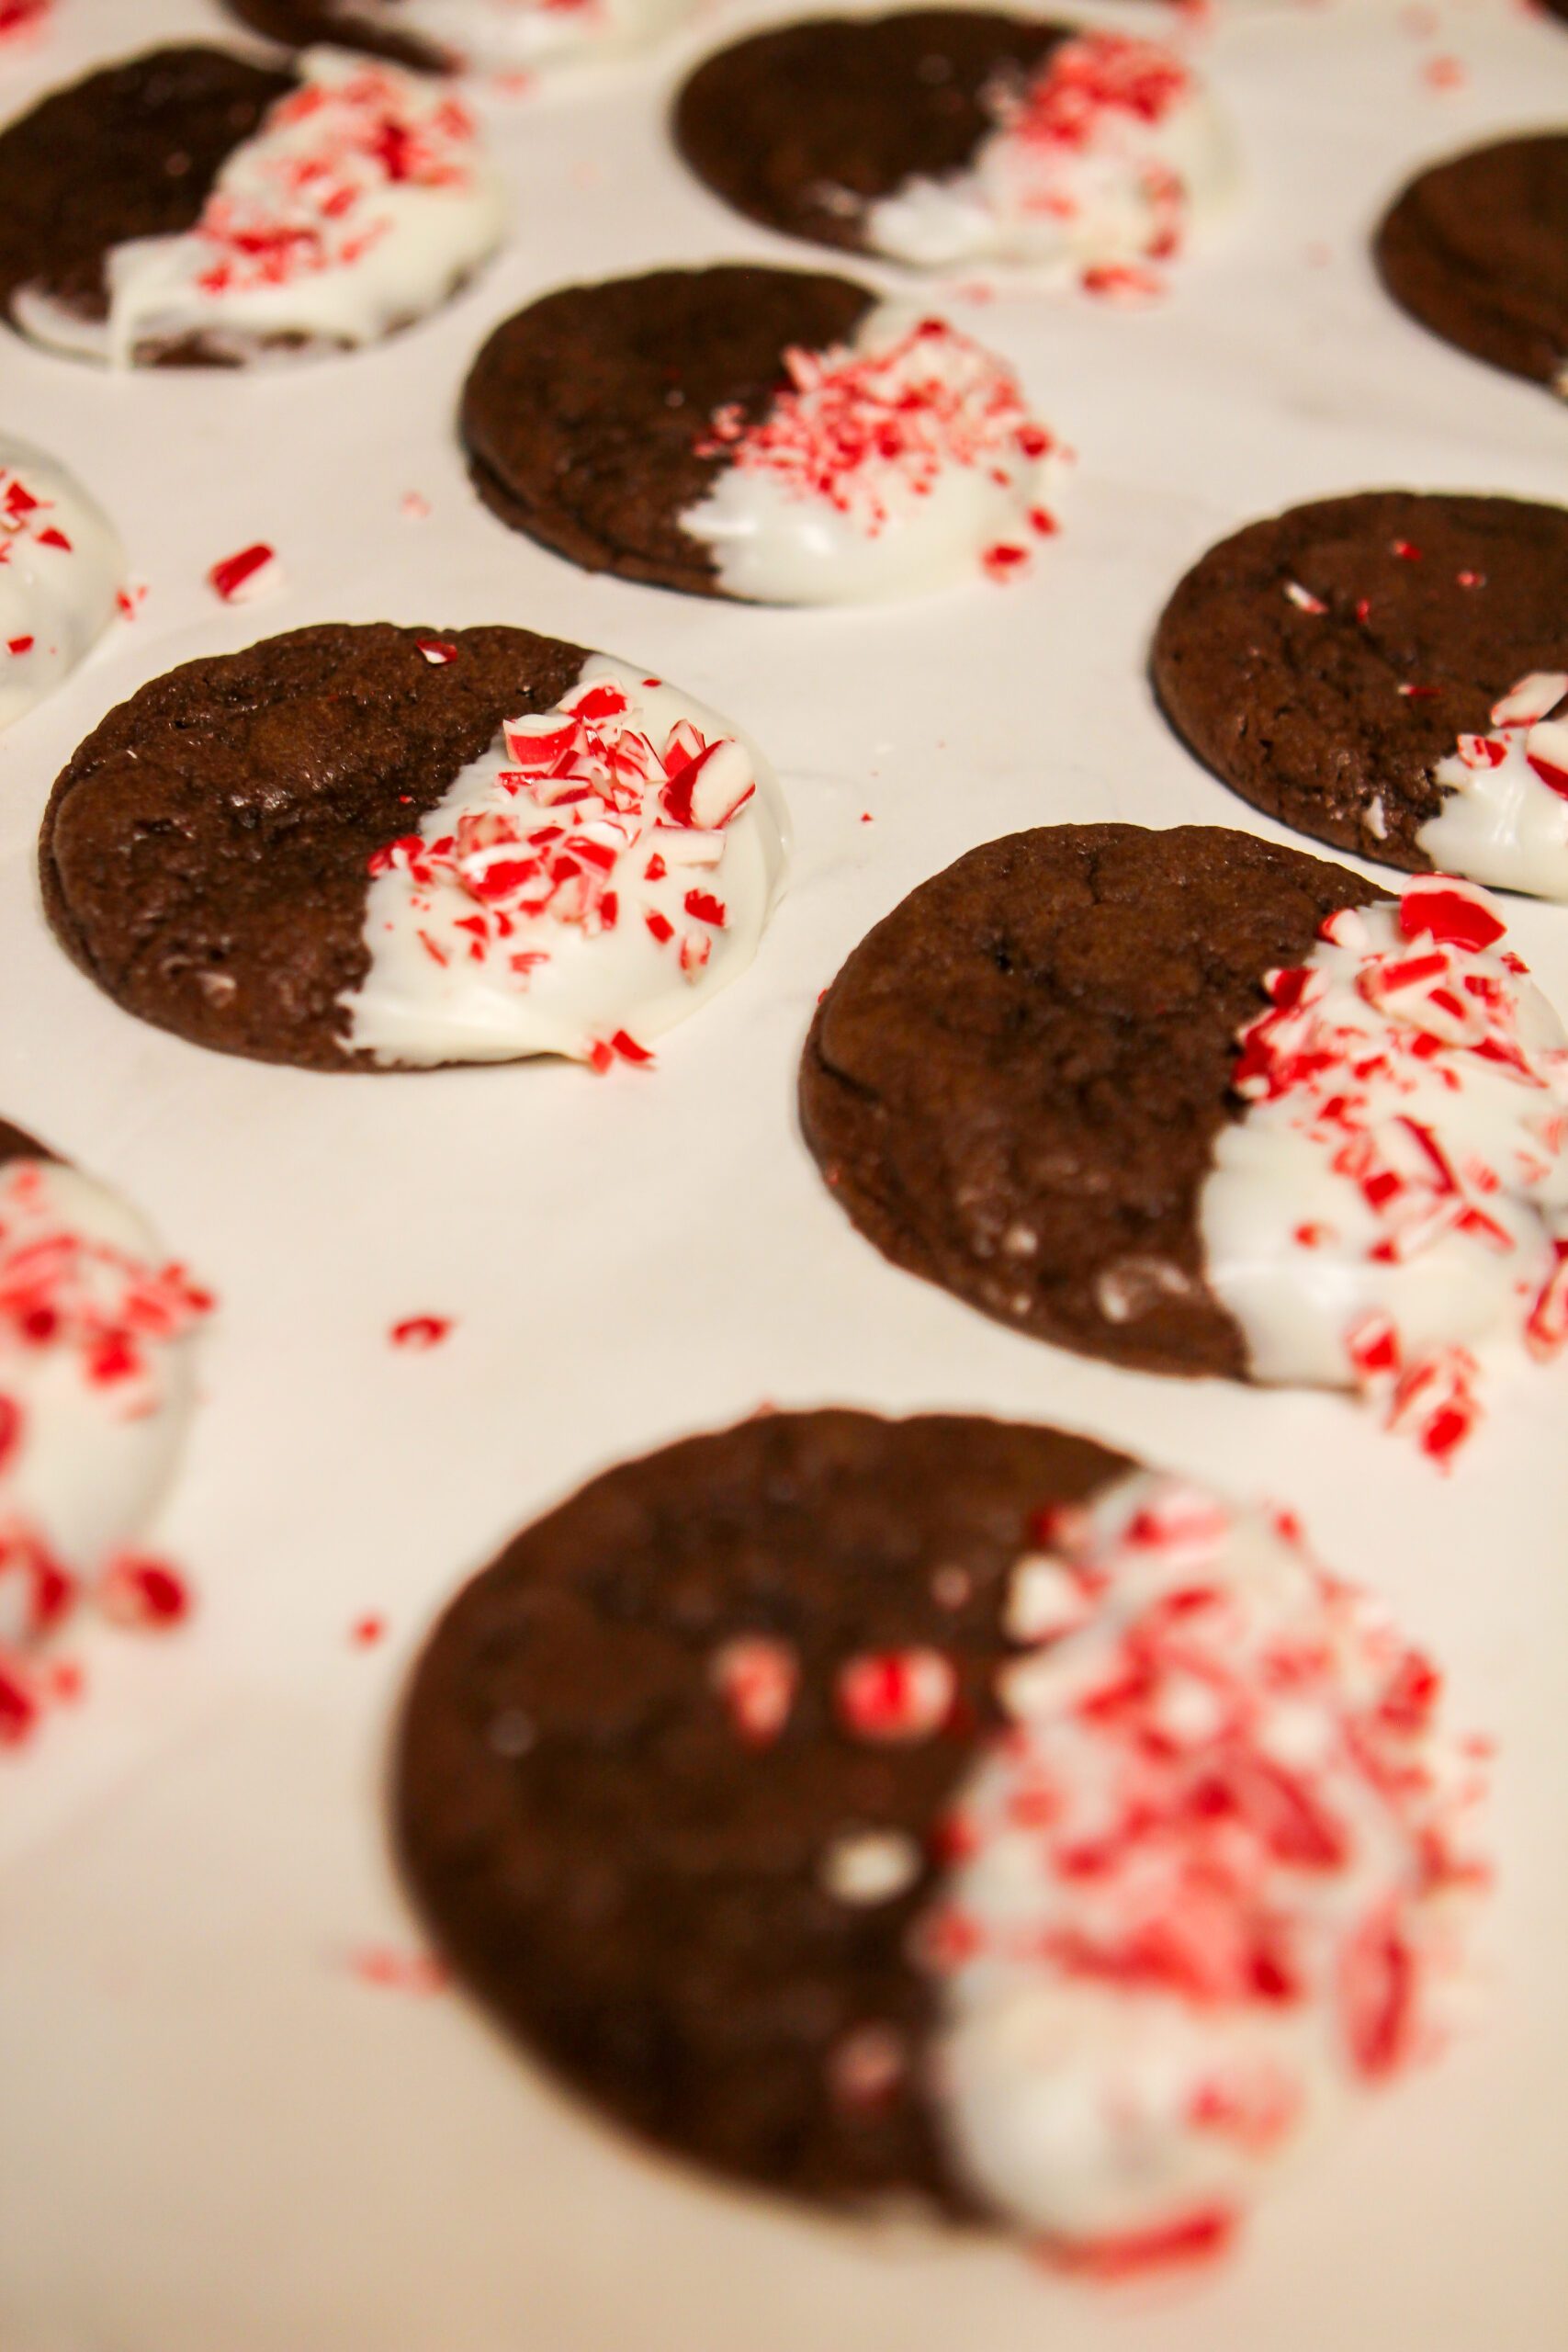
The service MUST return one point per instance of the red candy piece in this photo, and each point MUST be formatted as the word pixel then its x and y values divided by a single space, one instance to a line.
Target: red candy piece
pixel 896 1695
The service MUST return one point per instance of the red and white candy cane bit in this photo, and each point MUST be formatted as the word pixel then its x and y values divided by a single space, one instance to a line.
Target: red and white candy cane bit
pixel 1546 1332
pixel 239 578
pixel 19 1703
pixel 1535 698
pixel 1198 2237
pixel 757 1677
pixel 896 1695
pixel 620 811
pixel 138 1591
pixel 36 1594
pixel 1546 753
pixel 1451 911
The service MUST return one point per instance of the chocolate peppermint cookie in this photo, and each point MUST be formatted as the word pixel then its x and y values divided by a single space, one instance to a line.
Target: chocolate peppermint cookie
pixel 1381 672
pixel 1195 1104
pixel 1477 249
pixel 860 1808
pixel 942 136
pixel 378 847
pixel 758 434
pixel 467 36
pixel 97 1332
pixel 234 214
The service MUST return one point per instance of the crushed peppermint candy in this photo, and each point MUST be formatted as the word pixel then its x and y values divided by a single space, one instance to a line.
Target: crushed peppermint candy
pixel 1097 94
pixel 757 1677
pixel 1099 162
pixel 1210 1882
pixel 584 877
pixel 326 155
pixel 420 1332
pixel 90 1403
pixel 886 466
pixel 1396 1194
pixel 61 568
pixel 895 1696
pixel 854 427
pixel 361 200
pixel 1503 815
pixel 254 571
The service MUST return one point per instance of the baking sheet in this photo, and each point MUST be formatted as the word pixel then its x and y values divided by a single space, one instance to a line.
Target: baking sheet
pixel 215 2134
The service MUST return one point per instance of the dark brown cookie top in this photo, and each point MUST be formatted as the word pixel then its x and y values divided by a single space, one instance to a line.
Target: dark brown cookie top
pixel 204 856
pixel 802 128
pixel 635 1886
pixel 1014 1085
pixel 17 1144
pixel 303 24
pixel 583 414
pixel 131 152
pixel 1333 720
pixel 1477 249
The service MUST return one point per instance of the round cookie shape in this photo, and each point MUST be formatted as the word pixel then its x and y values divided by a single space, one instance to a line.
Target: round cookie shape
pixel 761 1788
pixel 1195 1104
pixel 583 415
pixel 61 566
pixel 499 36
pixel 1476 249
pixel 756 432
pixel 1014 1085
pixel 940 137
pixel 552 1874
pixel 372 847
pixel 240 217
pixel 1328 663
pixel 803 127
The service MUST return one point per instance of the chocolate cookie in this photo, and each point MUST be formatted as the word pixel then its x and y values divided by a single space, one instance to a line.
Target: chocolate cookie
pixel 863 1808
pixel 586 416
pixel 204 856
pixel 1326 662
pixel 634 1884
pixel 304 24
pixel 348 848
pixel 1015 1085
pixel 802 128
pixel 1477 249
pixel 158 130
pixel 242 216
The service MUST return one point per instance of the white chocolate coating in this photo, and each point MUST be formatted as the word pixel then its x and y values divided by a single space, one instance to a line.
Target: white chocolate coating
pixel 517 923
pixel 526 35
pixel 1502 820
pixel 61 565
pixel 362 202
pixel 889 467
pixel 96 1373
pixel 1399 1176
pixel 1112 156
pixel 1195 1910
